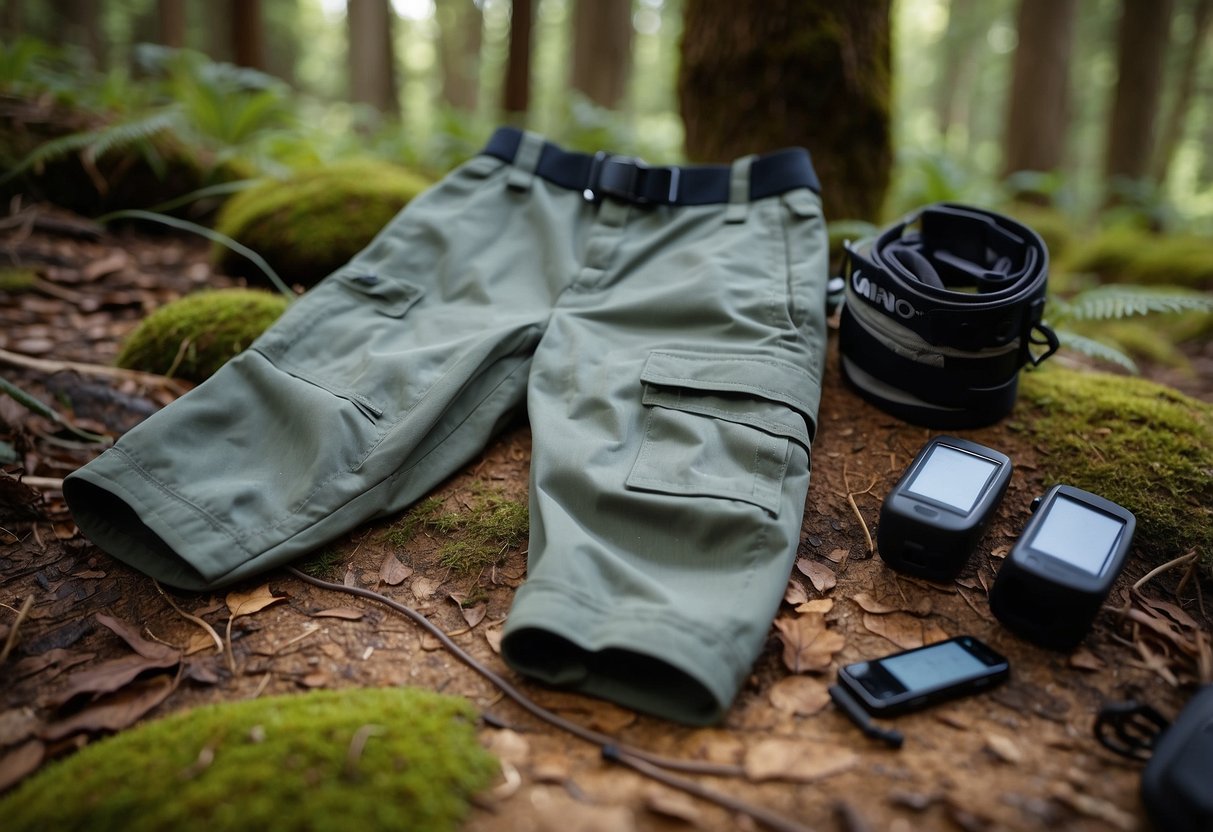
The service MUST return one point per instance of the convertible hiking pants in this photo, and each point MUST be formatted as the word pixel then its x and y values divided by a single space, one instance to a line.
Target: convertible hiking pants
pixel 664 328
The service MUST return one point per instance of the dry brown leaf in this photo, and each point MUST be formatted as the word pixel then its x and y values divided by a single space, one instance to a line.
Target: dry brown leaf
pixel 493 634
pixel 795 593
pixel 316 679
pixel 346 613
pixel 869 604
pixel 392 572
pixel 932 633
pixel 672 804
pixel 796 760
pixel 837 555
pixel 1004 748
pixel 1084 659
pixel 58 658
pixel 255 600
pixel 807 643
pixel 198 642
pixel 1102 810
pixel 18 763
pixel 424 588
pixel 903 630
pixel 130 634
pixel 17 725
pixel 817 605
pixel 474 615
pixel 821 575
pixel 107 677
pixel 800 695
pixel 116 711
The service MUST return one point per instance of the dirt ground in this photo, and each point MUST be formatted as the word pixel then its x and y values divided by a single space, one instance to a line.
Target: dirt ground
pixel 1020 757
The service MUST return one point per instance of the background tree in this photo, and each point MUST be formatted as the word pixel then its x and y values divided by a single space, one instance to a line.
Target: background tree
pixel 1141 47
pixel 958 46
pixel 248 34
pixel 602 50
pixel 171 22
pixel 79 22
pixel 460 35
pixel 1201 15
pixel 372 58
pixel 1038 115
pixel 516 93
pixel 759 76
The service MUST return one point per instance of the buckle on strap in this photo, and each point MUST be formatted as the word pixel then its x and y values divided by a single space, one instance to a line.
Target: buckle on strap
pixel 630 179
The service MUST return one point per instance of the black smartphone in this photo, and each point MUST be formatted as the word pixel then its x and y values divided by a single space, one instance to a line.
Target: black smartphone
pixel 920 677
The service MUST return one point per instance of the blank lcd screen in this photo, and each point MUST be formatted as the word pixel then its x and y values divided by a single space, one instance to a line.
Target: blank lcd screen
pixel 1077 534
pixel 935 666
pixel 954 478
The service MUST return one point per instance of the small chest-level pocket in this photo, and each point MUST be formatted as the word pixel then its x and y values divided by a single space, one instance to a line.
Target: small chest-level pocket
pixel 726 426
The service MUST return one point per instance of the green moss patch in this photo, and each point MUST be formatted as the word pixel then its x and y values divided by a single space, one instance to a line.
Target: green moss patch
pixel 193 337
pixel 17 280
pixel 476 535
pixel 1142 445
pixel 1126 255
pixel 360 759
pixel 309 225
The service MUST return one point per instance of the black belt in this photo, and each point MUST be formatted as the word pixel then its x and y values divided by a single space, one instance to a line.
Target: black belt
pixel 941 312
pixel 632 180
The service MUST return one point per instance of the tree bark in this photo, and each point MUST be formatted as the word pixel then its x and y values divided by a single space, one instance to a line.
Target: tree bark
pixel 516 94
pixel 954 85
pixel 248 34
pixel 755 77
pixel 602 50
pixel 12 22
pixel 1038 112
pixel 170 22
pixel 1173 125
pixel 1141 48
pixel 460 34
pixel 372 56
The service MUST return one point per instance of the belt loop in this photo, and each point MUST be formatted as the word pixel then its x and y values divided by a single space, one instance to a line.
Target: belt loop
pixel 739 189
pixel 530 146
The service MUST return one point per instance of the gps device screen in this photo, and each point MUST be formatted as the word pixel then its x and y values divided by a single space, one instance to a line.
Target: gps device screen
pixel 952 477
pixel 940 664
pixel 1077 534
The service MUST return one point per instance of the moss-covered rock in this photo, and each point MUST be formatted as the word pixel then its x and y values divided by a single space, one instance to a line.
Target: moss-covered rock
pixel 1127 255
pixel 1140 444
pixel 372 759
pixel 193 337
pixel 311 224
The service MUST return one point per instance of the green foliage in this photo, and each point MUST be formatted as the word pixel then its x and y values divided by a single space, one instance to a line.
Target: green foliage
pixel 479 534
pixel 17 280
pixel 1140 444
pixel 1128 255
pixel 395 758
pixel 308 225
pixel 193 337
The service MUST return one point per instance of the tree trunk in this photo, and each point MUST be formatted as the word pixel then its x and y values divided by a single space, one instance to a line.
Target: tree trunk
pixel 248 34
pixel 1038 115
pixel 516 93
pixel 170 22
pixel 372 56
pixel 602 50
pixel 12 22
pixel 1173 125
pixel 1141 48
pixel 460 34
pixel 79 22
pixel 755 77
pixel 954 84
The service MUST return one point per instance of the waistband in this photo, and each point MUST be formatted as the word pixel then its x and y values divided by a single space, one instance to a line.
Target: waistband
pixel 633 180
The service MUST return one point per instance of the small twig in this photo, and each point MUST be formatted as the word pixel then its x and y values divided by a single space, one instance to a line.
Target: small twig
pixel 357 744
pixel 47 483
pixel 48 366
pixel 867 535
pixel 1158 570
pixel 210 631
pixel 11 641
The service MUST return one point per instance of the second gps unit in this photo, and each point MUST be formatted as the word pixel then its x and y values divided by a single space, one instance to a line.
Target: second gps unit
pixel 932 519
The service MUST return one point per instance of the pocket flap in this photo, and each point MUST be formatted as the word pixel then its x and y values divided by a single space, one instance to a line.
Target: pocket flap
pixel 393 296
pixel 803 203
pixel 769 379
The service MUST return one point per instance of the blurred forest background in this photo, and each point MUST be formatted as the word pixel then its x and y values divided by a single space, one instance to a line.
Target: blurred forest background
pixel 1079 104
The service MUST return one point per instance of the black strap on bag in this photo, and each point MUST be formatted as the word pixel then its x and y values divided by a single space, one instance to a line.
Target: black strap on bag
pixel 941 311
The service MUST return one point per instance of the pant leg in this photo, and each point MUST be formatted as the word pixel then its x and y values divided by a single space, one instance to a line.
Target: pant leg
pixel 371 389
pixel 673 398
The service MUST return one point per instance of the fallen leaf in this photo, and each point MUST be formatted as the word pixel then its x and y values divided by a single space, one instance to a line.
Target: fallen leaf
pixel 800 695
pixel 1084 659
pixel 347 613
pixel 795 593
pixel 89 574
pixel 869 604
pixel 556 811
pixel 128 633
pixel 903 630
pixel 1094 807
pixel 493 634
pixel 817 605
pixel 392 572
pixel 109 264
pixel 116 711
pixel 837 555
pixel 107 677
pixel 672 804
pixel 1004 748
pixel 509 745
pixel 932 633
pixel 18 763
pixel 424 588
pixel 198 642
pixel 474 615
pixel 57 658
pixel 821 575
pixel 247 603
pixel 315 680
pixel 807 643
pixel 796 760
pixel 17 725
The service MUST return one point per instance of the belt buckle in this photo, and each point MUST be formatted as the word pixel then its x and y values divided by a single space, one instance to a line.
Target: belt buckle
pixel 627 178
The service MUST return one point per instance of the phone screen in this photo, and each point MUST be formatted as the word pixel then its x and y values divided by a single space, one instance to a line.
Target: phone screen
pixel 1078 535
pixel 953 477
pixel 938 665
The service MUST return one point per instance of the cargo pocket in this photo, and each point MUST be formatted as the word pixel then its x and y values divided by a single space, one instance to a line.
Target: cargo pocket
pixel 723 426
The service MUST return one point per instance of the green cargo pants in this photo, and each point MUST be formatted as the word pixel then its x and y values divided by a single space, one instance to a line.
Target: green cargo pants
pixel 664 329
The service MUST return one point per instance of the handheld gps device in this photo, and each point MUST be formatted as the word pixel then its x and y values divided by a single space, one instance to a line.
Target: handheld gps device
pixel 1062 567
pixel 932 519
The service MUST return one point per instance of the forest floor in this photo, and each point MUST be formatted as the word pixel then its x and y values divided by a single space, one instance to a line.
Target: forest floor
pixel 1020 757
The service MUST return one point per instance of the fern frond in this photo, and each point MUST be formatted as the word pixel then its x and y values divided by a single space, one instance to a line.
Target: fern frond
pixel 1112 302
pixel 1095 349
